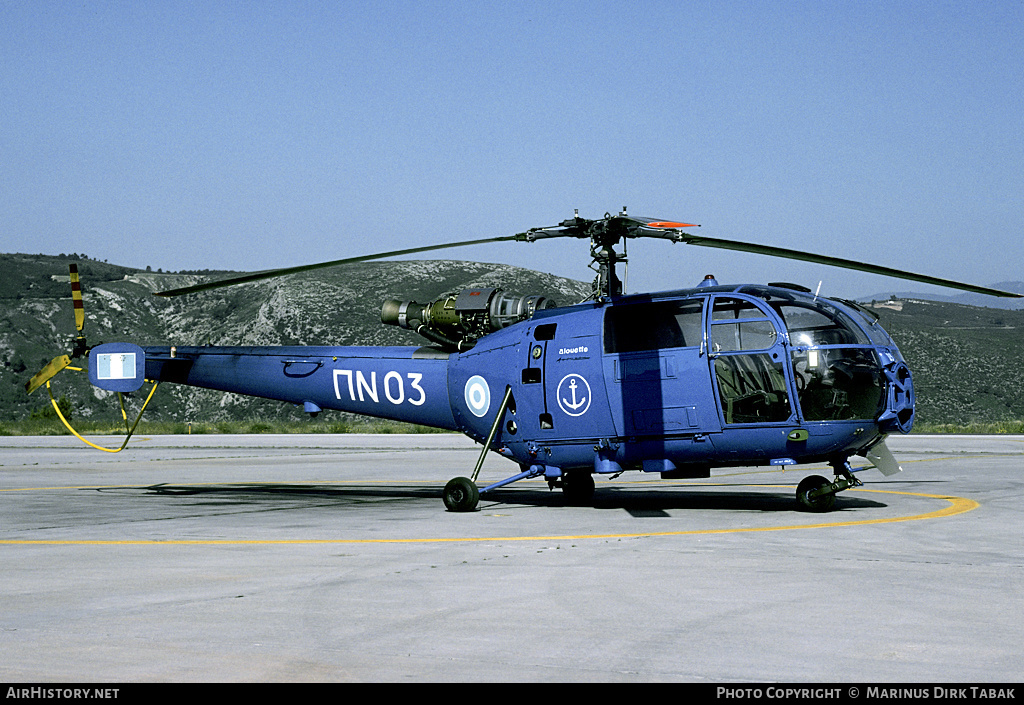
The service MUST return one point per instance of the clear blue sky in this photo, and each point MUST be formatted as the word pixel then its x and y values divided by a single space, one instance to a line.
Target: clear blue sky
pixel 251 135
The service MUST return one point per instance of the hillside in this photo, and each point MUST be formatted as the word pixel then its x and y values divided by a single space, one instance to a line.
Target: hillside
pixel 978 300
pixel 966 360
pixel 337 306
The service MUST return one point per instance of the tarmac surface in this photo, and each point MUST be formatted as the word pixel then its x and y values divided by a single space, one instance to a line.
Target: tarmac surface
pixel 332 558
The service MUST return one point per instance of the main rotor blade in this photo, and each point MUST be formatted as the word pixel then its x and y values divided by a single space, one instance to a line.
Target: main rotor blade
pixel 270 274
pixel 837 262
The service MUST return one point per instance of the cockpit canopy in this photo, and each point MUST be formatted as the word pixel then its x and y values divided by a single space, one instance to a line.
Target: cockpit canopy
pixel 836 351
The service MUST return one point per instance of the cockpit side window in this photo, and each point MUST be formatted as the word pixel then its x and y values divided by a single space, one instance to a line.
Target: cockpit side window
pixel 750 378
pixel 737 324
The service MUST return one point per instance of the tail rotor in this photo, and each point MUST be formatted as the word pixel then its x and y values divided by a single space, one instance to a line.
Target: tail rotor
pixel 80 349
pixel 126 358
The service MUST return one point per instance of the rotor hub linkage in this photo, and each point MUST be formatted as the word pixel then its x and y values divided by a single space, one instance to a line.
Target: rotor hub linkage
pixel 604 234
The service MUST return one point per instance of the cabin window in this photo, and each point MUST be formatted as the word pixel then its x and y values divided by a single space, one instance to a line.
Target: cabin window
pixel 653 326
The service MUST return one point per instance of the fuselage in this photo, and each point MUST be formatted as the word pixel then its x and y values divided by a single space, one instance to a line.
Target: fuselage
pixel 677 381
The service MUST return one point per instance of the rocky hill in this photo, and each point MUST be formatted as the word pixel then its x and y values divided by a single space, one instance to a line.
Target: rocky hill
pixel 966 359
pixel 337 306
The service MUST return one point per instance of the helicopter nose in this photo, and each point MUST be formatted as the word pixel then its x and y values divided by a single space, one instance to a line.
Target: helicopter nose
pixel 899 411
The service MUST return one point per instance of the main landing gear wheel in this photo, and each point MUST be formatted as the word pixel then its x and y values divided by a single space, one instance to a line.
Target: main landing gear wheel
pixel 817 503
pixel 461 495
pixel 578 487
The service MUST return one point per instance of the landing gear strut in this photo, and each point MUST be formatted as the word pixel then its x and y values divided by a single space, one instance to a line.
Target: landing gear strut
pixel 461 493
pixel 816 494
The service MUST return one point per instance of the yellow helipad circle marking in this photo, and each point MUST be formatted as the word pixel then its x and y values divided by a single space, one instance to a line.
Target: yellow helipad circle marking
pixel 957 505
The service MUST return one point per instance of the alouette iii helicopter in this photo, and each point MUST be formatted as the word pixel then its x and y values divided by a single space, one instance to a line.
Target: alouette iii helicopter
pixel 676 382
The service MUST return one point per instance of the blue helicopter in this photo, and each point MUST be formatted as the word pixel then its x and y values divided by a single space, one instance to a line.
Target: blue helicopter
pixel 676 382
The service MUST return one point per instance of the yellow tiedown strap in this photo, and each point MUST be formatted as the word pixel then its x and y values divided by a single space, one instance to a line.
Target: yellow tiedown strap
pixel 123 414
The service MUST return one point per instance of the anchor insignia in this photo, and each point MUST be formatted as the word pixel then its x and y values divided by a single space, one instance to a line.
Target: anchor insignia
pixel 574 395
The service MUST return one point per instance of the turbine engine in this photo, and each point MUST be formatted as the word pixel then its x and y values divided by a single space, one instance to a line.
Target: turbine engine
pixel 457 320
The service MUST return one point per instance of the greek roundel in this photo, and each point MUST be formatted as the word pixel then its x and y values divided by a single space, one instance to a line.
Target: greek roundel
pixel 478 395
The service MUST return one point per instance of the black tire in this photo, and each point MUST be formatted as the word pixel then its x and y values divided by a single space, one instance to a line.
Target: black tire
pixel 578 487
pixel 821 503
pixel 461 495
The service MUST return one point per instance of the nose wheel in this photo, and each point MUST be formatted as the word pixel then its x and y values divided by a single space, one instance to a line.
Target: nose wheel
pixel 816 494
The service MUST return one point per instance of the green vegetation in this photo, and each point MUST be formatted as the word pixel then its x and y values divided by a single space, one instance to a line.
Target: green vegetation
pixel 966 363
pixel 39 426
pixel 979 427
pixel 966 360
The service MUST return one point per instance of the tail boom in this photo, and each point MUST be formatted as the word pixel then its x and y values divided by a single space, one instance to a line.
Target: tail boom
pixel 399 383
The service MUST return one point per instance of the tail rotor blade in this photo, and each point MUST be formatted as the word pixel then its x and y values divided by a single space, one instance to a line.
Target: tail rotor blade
pixel 44 375
pixel 62 361
pixel 76 298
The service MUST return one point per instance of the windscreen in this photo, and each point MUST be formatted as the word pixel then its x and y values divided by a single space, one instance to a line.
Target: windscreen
pixel 835 378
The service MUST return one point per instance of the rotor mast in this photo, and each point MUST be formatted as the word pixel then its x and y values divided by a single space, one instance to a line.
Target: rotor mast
pixel 603 234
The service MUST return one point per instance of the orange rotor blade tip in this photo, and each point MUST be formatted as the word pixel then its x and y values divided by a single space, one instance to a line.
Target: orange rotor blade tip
pixel 670 224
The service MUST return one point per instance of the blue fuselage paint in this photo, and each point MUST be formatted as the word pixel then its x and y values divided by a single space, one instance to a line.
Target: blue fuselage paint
pixel 747 375
pixel 386 382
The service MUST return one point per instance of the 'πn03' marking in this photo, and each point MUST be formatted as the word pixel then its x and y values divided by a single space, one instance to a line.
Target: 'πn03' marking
pixel 396 388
